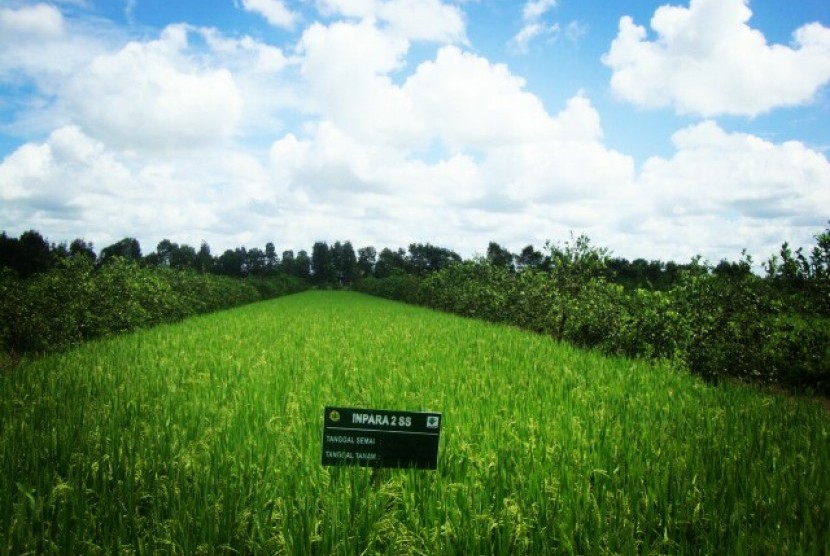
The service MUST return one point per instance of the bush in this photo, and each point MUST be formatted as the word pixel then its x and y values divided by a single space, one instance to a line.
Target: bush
pixel 730 326
pixel 78 302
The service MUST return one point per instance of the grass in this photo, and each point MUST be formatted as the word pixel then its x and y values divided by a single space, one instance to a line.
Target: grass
pixel 204 437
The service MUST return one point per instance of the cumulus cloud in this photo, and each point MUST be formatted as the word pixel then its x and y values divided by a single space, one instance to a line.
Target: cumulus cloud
pixel 31 23
pixel 152 96
pixel 38 44
pixel 72 185
pixel 716 172
pixel 468 101
pixel 412 20
pixel 42 182
pixel 274 11
pixel 346 68
pixel 707 60
pixel 722 191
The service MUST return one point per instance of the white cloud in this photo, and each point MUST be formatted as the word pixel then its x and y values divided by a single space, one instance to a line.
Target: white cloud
pixel 722 192
pixel 37 43
pixel 346 67
pixel 72 185
pixel 468 102
pixel 707 60
pixel 535 9
pixel 533 26
pixel 423 20
pixel 411 20
pixel 31 23
pixel 274 11
pixel 153 96
pixel 715 172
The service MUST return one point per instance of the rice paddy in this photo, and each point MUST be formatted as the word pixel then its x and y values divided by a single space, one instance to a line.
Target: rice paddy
pixel 204 437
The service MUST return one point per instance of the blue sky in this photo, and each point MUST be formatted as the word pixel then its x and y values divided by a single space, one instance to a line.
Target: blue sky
pixel 660 131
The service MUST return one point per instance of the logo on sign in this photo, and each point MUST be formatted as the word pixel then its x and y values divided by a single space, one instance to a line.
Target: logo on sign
pixel 334 416
pixel 432 421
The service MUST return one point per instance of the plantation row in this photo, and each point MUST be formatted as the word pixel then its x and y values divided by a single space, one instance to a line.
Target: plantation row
pixel 79 302
pixel 716 325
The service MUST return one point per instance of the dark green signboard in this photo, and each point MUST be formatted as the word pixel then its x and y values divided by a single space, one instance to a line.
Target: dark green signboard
pixel 380 438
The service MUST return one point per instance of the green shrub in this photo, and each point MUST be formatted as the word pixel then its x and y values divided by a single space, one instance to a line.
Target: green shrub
pixel 78 302
pixel 716 326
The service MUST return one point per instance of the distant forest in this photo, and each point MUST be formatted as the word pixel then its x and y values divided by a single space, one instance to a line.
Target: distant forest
pixel 339 264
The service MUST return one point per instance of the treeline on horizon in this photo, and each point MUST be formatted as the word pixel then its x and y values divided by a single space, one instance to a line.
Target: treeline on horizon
pixel 717 321
pixel 339 264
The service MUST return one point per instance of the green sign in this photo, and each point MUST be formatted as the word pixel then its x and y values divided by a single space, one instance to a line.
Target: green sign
pixel 380 438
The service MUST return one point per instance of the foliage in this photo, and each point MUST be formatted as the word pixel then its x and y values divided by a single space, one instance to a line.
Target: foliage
pixel 203 437
pixel 78 302
pixel 719 323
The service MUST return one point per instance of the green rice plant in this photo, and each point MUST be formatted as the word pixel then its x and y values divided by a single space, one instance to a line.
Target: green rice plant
pixel 204 437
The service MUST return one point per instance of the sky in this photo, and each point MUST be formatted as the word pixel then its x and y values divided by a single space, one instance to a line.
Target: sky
pixel 660 131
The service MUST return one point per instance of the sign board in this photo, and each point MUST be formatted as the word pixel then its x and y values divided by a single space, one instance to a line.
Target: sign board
pixel 380 438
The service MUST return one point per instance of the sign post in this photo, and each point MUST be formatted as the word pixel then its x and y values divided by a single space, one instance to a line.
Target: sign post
pixel 380 438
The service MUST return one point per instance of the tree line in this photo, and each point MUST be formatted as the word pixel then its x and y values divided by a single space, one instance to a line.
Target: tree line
pixel 339 264
pixel 327 265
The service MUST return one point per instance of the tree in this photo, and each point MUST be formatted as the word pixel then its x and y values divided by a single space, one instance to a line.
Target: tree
pixel 204 260
pixel 391 262
pixel 271 260
pixel 577 269
pixel 287 265
pixel 128 248
pixel 820 256
pixel 366 259
pixel 255 262
pixel 499 256
pixel 426 258
pixel 164 252
pixel 345 262
pixel 734 270
pixel 27 255
pixel 530 258
pixel 80 248
pixel 322 264
pixel 183 257
pixel 232 262
pixel 302 265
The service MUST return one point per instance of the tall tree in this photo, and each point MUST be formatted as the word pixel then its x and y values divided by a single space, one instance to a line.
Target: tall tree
pixel 345 262
pixel 204 260
pixel 164 252
pixel 426 258
pixel 271 260
pixel 255 262
pixel 391 262
pixel 366 259
pixel 183 257
pixel 302 265
pixel 322 264
pixel 287 265
pixel 499 256
pixel 530 258
pixel 80 248
pixel 128 248
pixel 232 262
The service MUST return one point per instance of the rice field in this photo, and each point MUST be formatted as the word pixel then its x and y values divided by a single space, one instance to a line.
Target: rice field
pixel 204 437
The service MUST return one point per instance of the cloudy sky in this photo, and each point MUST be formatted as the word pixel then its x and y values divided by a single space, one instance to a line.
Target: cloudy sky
pixel 660 131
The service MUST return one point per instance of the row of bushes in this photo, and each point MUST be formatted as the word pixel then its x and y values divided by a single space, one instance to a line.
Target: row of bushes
pixel 715 326
pixel 78 302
